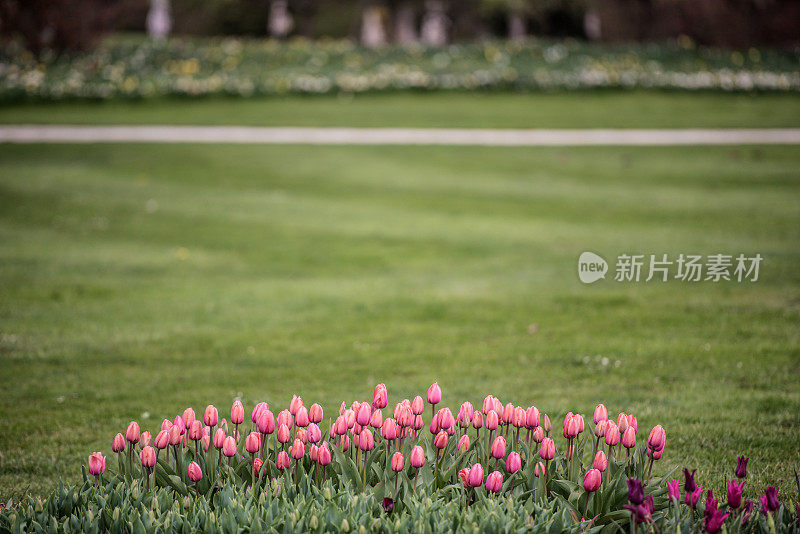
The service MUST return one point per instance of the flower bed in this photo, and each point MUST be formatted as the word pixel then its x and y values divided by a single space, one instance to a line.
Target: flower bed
pixel 137 68
pixel 496 468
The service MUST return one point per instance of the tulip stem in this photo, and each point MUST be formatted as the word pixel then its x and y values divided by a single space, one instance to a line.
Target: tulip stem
pixel 365 469
pixel 415 480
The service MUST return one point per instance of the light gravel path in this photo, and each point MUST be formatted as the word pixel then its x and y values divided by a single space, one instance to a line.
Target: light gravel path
pixel 393 136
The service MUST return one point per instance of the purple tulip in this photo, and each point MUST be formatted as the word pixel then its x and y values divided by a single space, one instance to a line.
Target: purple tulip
pixel 388 504
pixel 692 498
pixel 635 491
pixel 741 467
pixel 714 521
pixel 748 511
pixel 735 493
pixel 674 490
pixel 639 512
pixel 689 486
pixel 769 501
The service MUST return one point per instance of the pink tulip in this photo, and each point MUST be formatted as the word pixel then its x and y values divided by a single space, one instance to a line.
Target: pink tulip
pixel 600 428
pixel 492 421
pixel 546 425
pixel 365 440
pixel 600 413
pixel 340 426
pixel 205 441
pixel 417 456
pixel 446 419
pixel 538 434
pixel 252 442
pixel 188 417
pixel 531 418
pixel 477 419
pixel 513 462
pixel 145 439
pixel 376 419
pixel 211 415
pixel 148 456
pixel 548 449
pixel 632 423
pixel 301 418
pixel 283 461
pixel 301 434
pixel 133 433
pixel 475 477
pixel 571 426
pixel 315 413
pixel 97 463
pixel 498 406
pixel 350 417
pixel 519 417
pixel 507 414
pixel 363 414
pixel 418 423
pixel 463 474
pixel 434 394
pixel 612 433
pixel 118 445
pixel 174 435
pixel 434 426
pixel 178 422
pixel 417 405
pixel 237 412
pixel 464 444
pixel 629 438
pixel 591 482
pixel 166 424
pixel 194 471
pixel 406 416
pixel 295 404
pixel 398 462
pixel 313 453
pixel 499 447
pixel 219 438
pixel 196 430
pixel 494 482
pixel 284 435
pixel 229 447
pixel 380 397
pixel 538 469
pixel 266 422
pixel 298 449
pixel 600 461
pixel 284 418
pixel 257 409
pixel 324 454
pixel 389 429
pixel 314 433
pixel 441 439
pixel 622 422
pixel 654 454
pixel 488 404
pixel 657 438
pixel 162 439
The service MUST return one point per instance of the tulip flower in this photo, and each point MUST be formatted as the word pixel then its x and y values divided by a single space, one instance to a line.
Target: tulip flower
pixel 714 521
pixel 417 405
pixel 498 449
pixel 532 418
pixel 298 449
pixel 434 395
pixel 257 409
pixel 237 412
pixel 363 414
pixel 376 419
pixel 132 434
pixel 324 454
pixel 178 422
pixel 441 439
pixel 463 444
pixel 538 469
pixel 629 439
pixel 546 425
pixel 689 485
pixel 513 462
pixel 612 434
pixel 266 422
pixel 301 417
pixel 284 418
pixel 284 435
pixel 252 443
pixel 508 413
pixel 205 441
pixel 463 475
pixel 366 441
pixel 477 420
pixel 591 481
pixel 600 461
pixel 538 434
pixel 622 422
pixel 492 421
pixel 417 456
pixel 188 417
pixel 314 433
pixel 162 440
pixel 257 463
pixel 295 404
pixel 389 429
pixel 148 458
pixel 211 416
pixel 174 436
pixel 283 461
pixel 674 490
pixel 344 442
pixel 475 477
pixel 97 465
pixel 693 497
pixel 194 471
pixel 229 447
pixel 380 396
pixel 657 438
pixel 769 501
pixel 488 404
pixel 741 467
pixel 600 413
pixel 548 449
pixel 635 491
pixel 166 424
pixel 118 444
pixel 735 493
pixel 632 423
pixel 494 482
pixel 398 462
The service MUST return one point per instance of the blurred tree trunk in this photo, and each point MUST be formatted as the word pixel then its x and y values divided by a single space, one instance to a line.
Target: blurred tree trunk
pixel 405 23
pixel 517 27
pixel 591 24
pixel 280 21
pixel 159 19
pixel 306 13
pixel 373 33
pixel 434 23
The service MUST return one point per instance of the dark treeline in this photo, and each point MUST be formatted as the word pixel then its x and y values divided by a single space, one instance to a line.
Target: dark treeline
pixel 77 24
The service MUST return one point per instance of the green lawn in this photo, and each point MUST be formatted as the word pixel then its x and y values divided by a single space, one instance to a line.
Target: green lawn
pixel 136 280
pixel 601 109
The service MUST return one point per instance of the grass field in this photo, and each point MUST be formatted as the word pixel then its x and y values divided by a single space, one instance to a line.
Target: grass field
pixel 136 280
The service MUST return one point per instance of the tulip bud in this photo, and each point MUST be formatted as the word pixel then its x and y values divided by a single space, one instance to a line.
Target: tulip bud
pixel 477 419
pixel 133 433
pixel 446 420
pixel 284 418
pixel 148 456
pixel 205 441
pixel 389 429
pixel 283 461
pixel 600 461
pixel 499 447
pixel 591 482
pixel 257 409
pixel 162 439
pixel 237 412
pixel 315 413
pixel 324 454
pixel 463 443
pixel 365 440
pixel 538 434
pixel 513 462
pixel 298 449
pixel 548 449
pixel 283 434
pixel 174 435
pixel 229 447
pixel 633 423
pixel 531 418
pixel 475 477
pixel 434 394
pixel 252 442
pixel 363 414
pixel 301 418
pixel 657 439
pixel 612 434
pixel 507 415
pixel 519 417
pixel 118 445
pixel 494 482
pixel 463 474
pixel 600 428
pixel 380 396
pixel 600 413
pixel 314 433
pixel 417 456
pixel 629 438
pixel 376 419
pixel 538 469
pixel 441 439
pixel 196 430
pixel 145 439
pixel 188 417
pixel 492 421
pixel 295 404
pixel 398 462
pixel 417 405
pixel 546 426
pixel 97 463
pixel 195 473
pixel 166 424
pixel 622 422
pixel 211 416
